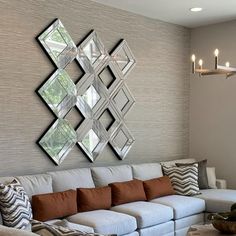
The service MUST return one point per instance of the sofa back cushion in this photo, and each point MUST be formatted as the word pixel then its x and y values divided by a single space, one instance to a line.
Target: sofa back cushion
pixel 128 191
pixel 90 199
pixel 71 179
pixel 103 176
pixel 36 184
pixel 54 205
pixel 147 171
pixel 158 187
pixel 6 180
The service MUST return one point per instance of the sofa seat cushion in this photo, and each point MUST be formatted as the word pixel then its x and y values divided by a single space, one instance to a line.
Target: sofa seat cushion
pixel 165 229
pixel 105 221
pixel 189 220
pixel 218 200
pixel 146 213
pixel 183 206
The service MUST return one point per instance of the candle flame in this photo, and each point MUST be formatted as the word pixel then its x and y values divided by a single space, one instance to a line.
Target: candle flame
pixel 216 52
pixel 227 64
pixel 200 62
pixel 193 58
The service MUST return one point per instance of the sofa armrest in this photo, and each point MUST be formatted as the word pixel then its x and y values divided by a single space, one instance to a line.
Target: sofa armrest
pixel 221 184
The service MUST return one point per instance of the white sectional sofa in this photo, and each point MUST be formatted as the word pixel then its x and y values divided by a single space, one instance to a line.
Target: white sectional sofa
pixel 164 216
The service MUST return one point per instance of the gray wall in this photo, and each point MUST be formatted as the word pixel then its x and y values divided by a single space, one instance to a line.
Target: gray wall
pixel 212 102
pixel 159 82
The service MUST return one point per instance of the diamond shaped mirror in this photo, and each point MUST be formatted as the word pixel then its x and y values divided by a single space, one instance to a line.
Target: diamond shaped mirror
pixel 58 44
pixel 92 96
pixel 92 53
pixel 122 141
pixel 123 100
pixel 59 92
pixel 59 140
pixel 124 58
pixel 92 138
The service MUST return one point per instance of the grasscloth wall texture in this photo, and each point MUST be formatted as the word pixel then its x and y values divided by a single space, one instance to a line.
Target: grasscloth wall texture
pixel 212 102
pixel 159 82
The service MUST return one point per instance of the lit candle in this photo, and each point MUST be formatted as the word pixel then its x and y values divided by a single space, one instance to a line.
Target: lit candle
pixel 193 63
pixel 216 58
pixel 227 64
pixel 200 63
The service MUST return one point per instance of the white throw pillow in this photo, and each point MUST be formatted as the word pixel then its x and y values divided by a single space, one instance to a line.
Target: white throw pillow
pixel 211 176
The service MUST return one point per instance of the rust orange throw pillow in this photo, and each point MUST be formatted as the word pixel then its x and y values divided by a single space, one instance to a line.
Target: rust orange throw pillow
pixel 158 187
pixel 89 199
pixel 54 205
pixel 129 191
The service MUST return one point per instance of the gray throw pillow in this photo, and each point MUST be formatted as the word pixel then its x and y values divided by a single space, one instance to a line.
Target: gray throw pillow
pixel 202 172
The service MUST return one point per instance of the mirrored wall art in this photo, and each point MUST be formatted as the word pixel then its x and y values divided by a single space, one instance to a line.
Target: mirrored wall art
pixel 123 100
pixel 101 95
pixel 110 119
pixel 59 140
pixel 92 97
pixel 92 138
pixel 59 92
pixel 58 44
pixel 122 141
pixel 110 77
pixel 92 53
pixel 124 58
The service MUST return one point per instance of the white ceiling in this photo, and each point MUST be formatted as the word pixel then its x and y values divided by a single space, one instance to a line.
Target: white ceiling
pixel 177 11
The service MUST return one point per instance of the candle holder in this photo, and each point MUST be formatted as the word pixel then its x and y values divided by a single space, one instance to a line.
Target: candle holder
pixel 218 69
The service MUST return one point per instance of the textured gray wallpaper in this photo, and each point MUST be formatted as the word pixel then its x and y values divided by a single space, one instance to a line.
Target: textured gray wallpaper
pixel 159 82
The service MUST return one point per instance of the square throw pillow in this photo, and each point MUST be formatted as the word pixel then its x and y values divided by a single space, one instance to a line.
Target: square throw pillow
pixel 202 173
pixel 54 205
pixel 15 205
pixel 184 179
pixel 158 187
pixel 90 199
pixel 128 191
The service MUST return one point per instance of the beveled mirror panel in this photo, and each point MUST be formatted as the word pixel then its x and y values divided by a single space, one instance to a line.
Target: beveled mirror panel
pixel 122 141
pixel 59 92
pixel 92 53
pixel 123 100
pixel 92 96
pixel 92 138
pixel 58 44
pixel 59 140
pixel 124 58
